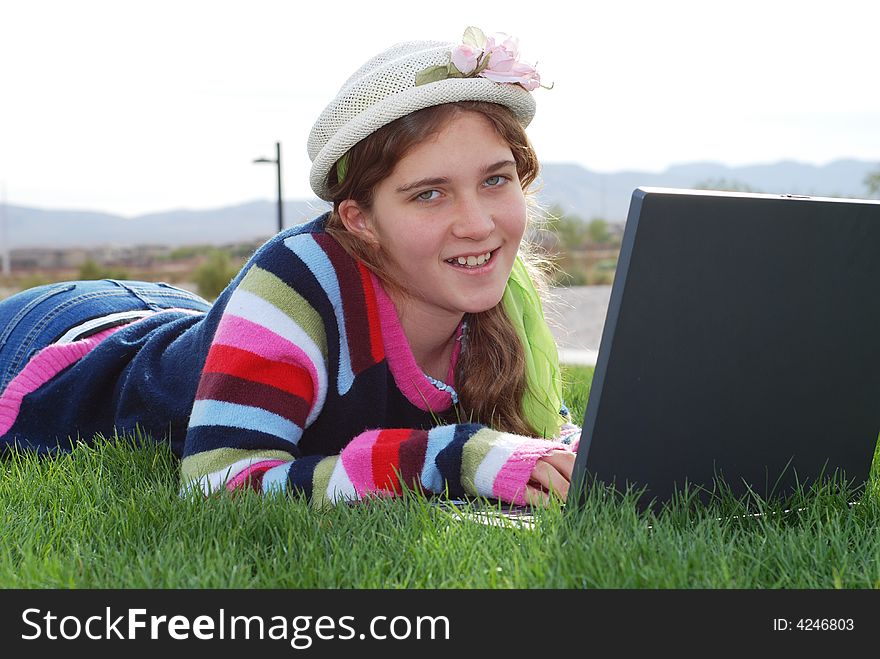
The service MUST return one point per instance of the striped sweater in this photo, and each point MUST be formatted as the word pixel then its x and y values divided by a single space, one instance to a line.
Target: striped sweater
pixel 298 378
pixel 309 386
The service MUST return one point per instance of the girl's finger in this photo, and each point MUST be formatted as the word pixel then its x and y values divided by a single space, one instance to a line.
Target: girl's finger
pixel 548 477
pixel 536 497
pixel 563 461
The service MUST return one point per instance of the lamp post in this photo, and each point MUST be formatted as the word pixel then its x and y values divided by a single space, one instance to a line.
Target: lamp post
pixel 277 163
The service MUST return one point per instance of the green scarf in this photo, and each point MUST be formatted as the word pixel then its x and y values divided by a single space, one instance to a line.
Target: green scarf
pixel 542 400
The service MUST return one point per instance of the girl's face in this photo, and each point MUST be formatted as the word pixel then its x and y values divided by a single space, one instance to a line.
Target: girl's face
pixel 450 217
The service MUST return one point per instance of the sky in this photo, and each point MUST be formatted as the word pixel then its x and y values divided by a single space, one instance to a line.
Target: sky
pixel 137 107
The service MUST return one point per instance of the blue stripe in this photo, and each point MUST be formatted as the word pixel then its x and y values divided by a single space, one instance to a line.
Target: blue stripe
pixel 302 474
pixel 438 439
pixel 208 438
pixel 275 479
pixel 316 260
pixel 232 415
pixel 448 460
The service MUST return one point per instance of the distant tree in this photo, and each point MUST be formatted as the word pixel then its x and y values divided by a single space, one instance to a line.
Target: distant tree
pixel 214 274
pixel 724 185
pixel 92 270
pixel 598 231
pixel 570 230
pixel 190 251
pixel 872 182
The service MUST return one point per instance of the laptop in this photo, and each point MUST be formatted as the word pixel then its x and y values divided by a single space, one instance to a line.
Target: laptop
pixel 741 347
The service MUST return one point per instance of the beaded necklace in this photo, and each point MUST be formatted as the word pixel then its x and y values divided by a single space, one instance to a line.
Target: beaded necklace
pixel 442 386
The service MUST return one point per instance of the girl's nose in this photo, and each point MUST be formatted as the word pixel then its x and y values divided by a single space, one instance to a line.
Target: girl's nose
pixel 473 221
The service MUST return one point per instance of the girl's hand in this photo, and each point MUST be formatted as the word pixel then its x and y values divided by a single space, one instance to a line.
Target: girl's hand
pixel 550 477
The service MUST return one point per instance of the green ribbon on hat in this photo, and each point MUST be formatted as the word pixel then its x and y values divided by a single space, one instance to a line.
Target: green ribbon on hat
pixel 542 400
pixel 342 168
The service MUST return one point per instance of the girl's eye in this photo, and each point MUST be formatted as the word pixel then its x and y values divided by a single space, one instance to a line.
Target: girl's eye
pixel 427 195
pixel 495 181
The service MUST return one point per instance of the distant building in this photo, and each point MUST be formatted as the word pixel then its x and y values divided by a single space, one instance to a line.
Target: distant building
pixel 141 256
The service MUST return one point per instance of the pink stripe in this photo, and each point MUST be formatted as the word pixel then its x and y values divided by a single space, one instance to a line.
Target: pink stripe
pixel 238 332
pixel 257 468
pixel 42 367
pixel 357 460
pixel 409 377
pixel 510 482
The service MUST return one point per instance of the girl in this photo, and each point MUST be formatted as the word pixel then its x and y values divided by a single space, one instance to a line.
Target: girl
pixel 396 341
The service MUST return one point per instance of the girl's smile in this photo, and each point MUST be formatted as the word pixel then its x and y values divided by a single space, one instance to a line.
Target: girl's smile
pixel 473 264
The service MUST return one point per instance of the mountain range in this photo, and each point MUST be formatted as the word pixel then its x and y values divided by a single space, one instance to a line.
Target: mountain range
pixel 572 188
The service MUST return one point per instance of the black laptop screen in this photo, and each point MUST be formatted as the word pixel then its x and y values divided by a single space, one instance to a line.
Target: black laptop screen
pixel 742 340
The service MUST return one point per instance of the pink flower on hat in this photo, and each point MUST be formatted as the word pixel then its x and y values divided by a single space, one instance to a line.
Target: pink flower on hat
pixel 495 58
pixel 503 64
pixel 466 58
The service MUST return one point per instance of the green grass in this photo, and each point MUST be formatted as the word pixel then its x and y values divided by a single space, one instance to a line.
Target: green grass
pixel 109 516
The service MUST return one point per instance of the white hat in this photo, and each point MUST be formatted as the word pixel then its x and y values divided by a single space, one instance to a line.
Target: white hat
pixel 385 89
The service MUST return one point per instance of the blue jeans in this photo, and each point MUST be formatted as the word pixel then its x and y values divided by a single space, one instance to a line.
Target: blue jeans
pixel 37 317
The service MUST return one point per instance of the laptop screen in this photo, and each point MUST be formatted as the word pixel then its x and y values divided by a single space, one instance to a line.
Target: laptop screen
pixel 742 341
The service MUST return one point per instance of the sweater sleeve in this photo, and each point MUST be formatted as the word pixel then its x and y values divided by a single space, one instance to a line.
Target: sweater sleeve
pixel 454 459
pixel 265 381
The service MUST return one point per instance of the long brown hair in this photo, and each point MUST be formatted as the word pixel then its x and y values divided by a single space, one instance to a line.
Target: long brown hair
pixel 490 375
